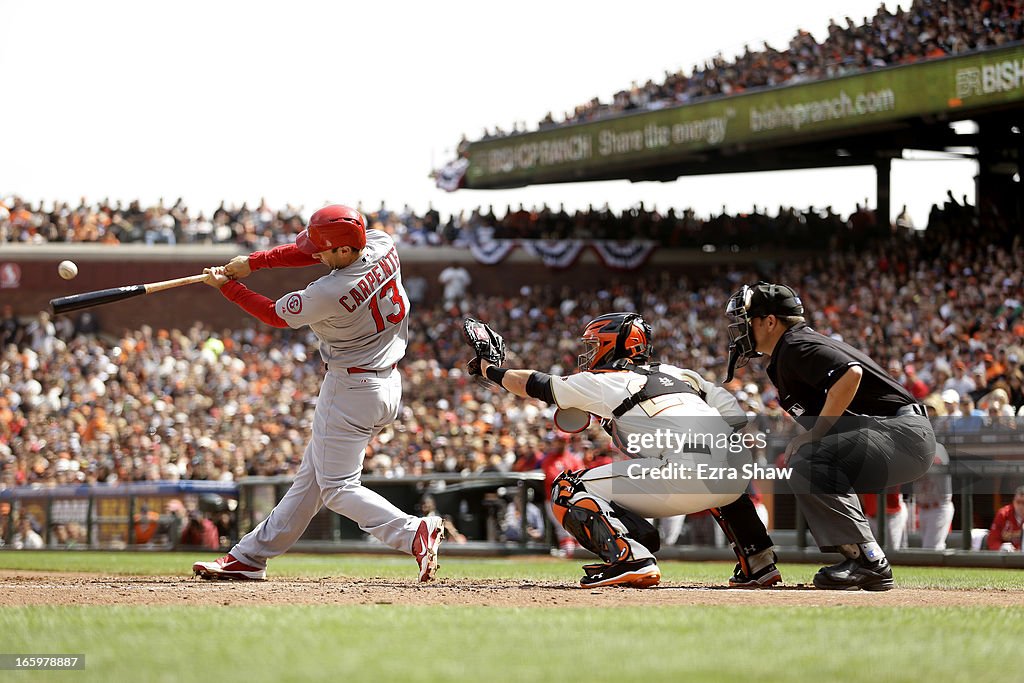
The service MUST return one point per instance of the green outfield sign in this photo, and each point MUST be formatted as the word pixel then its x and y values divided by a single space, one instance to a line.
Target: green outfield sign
pixel 951 86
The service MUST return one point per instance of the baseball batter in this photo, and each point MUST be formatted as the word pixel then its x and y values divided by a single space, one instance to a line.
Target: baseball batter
pixel 359 312
pixel 661 416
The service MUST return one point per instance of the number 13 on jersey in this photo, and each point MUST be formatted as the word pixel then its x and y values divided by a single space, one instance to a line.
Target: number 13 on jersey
pixel 390 292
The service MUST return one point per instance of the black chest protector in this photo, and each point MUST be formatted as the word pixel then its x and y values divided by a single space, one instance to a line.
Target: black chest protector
pixel 658 384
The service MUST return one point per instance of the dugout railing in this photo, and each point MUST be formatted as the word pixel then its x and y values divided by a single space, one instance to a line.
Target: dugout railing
pixel 151 515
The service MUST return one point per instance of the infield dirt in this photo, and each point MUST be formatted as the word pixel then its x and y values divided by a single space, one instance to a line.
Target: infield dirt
pixel 21 588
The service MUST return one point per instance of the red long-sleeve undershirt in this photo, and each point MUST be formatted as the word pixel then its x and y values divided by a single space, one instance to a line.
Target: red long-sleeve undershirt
pixel 284 256
pixel 257 305
pixel 253 303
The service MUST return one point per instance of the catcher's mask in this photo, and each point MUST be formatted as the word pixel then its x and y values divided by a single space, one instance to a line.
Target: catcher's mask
pixel 755 301
pixel 614 336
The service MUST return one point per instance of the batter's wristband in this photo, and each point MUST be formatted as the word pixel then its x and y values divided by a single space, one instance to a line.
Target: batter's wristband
pixel 496 374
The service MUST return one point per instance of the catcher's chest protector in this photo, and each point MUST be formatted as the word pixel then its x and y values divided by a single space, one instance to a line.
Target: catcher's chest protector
pixel 658 384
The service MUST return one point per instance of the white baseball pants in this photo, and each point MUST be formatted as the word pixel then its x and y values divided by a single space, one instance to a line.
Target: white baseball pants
pixel 350 410
pixel 935 523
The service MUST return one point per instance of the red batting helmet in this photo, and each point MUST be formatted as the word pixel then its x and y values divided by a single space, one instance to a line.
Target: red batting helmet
pixel 332 227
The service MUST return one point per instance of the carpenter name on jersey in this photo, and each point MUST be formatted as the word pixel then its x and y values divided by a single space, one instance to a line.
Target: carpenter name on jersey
pixel 360 313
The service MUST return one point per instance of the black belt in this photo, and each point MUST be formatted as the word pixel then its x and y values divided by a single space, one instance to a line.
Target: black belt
pixel 912 409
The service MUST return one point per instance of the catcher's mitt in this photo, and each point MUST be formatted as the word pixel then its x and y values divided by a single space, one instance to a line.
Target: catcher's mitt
pixel 487 344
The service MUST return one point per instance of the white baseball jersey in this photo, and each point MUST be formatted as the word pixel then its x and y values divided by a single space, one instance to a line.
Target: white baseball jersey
pixel 359 313
pixel 601 393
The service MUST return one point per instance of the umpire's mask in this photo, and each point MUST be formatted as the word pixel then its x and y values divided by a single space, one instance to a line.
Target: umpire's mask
pixel 741 340
pixel 761 299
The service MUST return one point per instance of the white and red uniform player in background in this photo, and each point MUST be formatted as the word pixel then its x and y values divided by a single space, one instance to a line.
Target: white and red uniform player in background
pixel 359 313
pixel 558 460
pixel 933 496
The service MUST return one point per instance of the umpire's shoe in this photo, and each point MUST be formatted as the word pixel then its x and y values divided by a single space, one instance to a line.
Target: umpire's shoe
pixel 631 573
pixel 851 575
pixel 230 569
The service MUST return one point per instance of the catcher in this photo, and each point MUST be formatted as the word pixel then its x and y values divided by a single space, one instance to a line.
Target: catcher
pixel 654 413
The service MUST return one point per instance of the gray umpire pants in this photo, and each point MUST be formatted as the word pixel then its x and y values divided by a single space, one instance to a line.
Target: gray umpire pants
pixel 860 455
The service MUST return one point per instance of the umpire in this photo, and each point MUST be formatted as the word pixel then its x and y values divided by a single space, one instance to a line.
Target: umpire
pixel 864 434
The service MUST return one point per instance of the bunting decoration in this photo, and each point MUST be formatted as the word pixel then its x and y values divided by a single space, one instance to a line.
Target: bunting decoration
pixel 624 255
pixel 492 252
pixel 451 177
pixel 562 254
pixel 556 254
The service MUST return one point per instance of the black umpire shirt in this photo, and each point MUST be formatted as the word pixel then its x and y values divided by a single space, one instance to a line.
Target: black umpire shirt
pixel 805 364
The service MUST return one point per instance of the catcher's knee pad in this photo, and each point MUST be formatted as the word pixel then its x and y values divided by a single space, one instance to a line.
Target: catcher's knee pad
pixel 744 529
pixel 589 524
pixel 583 516
pixel 563 488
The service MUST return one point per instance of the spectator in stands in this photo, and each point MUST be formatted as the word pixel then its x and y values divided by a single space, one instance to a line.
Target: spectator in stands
pixel 960 382
pixel 914 384
pixel 146 523
pixel 428 506
pixel 951 403
pixel 200 532
pixel 11 329
pixel 888 39
pixel 512 522
pixel 147 421
pixel 25 537
pixel 66 536
pixel 1005 532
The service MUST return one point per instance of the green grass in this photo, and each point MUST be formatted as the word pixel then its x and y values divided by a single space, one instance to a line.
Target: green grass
pixel 395 643
pixel 494 644
pixel 527 569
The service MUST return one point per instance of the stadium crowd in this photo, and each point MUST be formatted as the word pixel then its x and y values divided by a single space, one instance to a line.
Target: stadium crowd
pixel 942 311
pixel 929 29
pixel 108 222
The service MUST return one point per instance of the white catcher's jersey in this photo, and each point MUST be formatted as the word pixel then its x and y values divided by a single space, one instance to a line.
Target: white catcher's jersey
pixel 679 414
pixel 359 313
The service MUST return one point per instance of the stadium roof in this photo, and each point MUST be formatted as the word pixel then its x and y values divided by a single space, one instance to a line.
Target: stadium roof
pixel 860 119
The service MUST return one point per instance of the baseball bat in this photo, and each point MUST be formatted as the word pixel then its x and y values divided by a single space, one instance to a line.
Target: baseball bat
pixel 76 302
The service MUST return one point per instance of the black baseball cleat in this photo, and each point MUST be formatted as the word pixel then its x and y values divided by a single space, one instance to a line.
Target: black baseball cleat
pixel 632 574
pixel 851 575
pixel 766 577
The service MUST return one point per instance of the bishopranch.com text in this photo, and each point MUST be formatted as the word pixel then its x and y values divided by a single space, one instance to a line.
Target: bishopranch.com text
pixel 842 106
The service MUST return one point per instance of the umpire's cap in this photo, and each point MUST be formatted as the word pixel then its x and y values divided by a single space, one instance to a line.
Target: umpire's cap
pixel 773 299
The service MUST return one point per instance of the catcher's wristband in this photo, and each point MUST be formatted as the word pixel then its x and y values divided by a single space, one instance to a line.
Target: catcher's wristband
pixel 496 374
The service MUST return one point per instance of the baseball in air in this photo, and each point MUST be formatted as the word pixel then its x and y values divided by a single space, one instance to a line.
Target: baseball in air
pixel 67 270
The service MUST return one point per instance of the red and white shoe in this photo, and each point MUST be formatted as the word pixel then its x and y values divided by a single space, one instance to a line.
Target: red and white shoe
pixel 425 544
pixel 229 569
